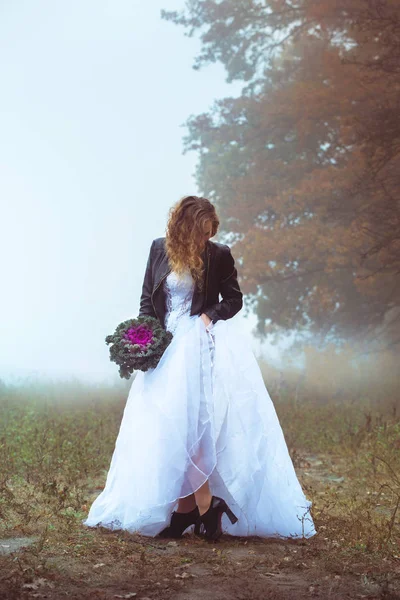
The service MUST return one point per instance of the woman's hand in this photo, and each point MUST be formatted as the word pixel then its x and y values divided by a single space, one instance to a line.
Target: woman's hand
pixel 206 319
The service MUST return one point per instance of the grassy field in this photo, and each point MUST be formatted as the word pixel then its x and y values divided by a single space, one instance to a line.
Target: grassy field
pixel 56 445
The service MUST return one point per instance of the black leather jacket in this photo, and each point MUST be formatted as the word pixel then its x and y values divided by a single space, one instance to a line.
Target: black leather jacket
pixel 220 278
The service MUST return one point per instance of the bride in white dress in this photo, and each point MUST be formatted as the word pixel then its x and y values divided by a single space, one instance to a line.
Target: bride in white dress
pixel 200 433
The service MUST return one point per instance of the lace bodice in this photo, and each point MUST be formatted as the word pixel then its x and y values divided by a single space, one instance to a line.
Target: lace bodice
pixel 178 297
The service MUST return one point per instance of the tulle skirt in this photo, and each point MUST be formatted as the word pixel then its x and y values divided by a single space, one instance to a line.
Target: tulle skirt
pixel 203 413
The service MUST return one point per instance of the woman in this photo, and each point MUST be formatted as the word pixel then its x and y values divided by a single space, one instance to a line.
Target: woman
pixel 200 429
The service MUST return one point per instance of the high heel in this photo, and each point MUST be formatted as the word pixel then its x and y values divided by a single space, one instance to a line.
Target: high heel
pixel 211 519
pixel 180 522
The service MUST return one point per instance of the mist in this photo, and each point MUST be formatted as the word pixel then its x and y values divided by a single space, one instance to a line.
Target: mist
pixel 94 99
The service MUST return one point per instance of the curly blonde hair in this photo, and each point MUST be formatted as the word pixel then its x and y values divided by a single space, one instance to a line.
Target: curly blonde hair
pixel 185 235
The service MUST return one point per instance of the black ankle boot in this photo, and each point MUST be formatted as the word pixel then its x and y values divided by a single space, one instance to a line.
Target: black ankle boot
pixel 211 519
pixel 180 522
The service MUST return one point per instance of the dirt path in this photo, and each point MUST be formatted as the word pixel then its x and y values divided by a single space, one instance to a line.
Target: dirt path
pixel 192 569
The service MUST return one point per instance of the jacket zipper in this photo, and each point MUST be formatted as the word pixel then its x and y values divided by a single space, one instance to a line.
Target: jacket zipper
pixel 155 289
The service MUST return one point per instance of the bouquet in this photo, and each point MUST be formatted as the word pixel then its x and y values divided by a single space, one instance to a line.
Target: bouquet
pixel 138 344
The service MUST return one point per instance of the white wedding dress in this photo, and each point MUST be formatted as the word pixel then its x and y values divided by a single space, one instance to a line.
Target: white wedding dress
pixel 203 413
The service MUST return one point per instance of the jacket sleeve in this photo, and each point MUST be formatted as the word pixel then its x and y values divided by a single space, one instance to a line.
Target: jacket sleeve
pixel 232 297
pixel 146 305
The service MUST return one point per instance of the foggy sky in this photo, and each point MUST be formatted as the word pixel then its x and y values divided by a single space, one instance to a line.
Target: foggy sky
pixel 92 109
